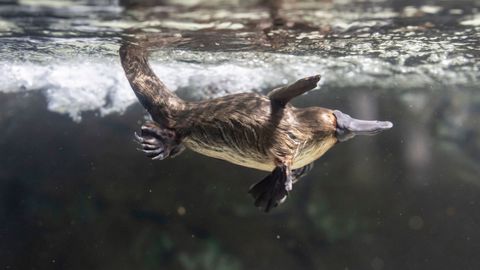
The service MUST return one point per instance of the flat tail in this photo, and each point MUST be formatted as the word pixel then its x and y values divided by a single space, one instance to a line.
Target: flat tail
pixel 152 93
pixel 348 127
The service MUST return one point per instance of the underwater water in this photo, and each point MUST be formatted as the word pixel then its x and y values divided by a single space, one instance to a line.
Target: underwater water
pixel 76 194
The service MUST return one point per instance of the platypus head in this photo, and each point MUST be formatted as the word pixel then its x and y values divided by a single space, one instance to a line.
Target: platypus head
pixel 348 127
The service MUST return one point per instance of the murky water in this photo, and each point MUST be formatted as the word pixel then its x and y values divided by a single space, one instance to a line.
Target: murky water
pixel 75 193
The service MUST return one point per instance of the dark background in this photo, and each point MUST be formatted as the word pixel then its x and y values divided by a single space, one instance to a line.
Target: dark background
pixel 78 195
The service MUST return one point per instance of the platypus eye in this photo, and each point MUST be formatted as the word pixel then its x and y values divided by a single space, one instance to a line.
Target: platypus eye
pixel 291 136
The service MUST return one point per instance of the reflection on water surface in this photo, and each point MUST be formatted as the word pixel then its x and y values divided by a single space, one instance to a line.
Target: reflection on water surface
pixel 76 194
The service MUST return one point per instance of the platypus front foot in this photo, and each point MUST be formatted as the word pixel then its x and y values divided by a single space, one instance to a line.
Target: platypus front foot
pixel 157 142
pixel 301 172
pixel 273 189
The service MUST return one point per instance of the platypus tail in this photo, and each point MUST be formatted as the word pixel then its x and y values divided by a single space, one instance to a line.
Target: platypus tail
pixel 159 101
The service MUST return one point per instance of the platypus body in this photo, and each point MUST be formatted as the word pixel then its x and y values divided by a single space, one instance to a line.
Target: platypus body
pixel 248 129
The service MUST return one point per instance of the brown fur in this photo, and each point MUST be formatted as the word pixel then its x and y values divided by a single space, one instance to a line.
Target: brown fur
pixel 247 129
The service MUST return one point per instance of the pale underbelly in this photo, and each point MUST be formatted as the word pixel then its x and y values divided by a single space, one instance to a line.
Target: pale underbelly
pixel 233 156
pixel 313 153
pixel 264 163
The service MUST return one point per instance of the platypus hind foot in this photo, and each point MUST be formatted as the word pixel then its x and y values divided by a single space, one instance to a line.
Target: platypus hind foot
pixel 273 189
pixel 157 142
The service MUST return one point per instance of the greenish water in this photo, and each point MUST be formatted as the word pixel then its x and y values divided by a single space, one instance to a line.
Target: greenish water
pixel 76 194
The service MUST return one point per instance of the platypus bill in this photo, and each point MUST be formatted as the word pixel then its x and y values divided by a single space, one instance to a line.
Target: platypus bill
pixel 248 129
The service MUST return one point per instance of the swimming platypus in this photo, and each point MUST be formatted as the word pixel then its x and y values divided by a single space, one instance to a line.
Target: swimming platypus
pixel 249 129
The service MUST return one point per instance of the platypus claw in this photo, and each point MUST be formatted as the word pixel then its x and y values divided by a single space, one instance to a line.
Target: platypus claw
pixel 153 152
pixel 158 143
pixel 159 156
pixel 152 147
pixel 138 139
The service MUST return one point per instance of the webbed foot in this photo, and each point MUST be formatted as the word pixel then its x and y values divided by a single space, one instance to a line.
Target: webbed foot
pixel 273 189
pixel 157 142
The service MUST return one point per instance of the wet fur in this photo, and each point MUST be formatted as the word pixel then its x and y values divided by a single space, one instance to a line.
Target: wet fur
pixel 247 129
pixel 250 130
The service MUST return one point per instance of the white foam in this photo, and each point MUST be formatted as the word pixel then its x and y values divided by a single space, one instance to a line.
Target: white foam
pixel 82 84
pixel 473 20
pixel 71 87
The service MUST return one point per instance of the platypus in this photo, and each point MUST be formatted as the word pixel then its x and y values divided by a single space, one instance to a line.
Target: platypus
pixel 263 132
